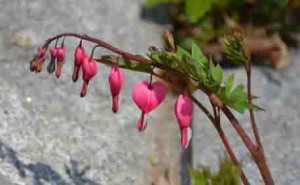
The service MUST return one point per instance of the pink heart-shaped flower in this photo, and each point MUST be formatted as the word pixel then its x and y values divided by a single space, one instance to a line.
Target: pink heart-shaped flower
pixel 184 110
pixel 78 59
pixel 147 97
pixel 89 70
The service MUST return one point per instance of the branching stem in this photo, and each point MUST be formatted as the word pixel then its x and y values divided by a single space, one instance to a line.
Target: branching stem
pixel 255 150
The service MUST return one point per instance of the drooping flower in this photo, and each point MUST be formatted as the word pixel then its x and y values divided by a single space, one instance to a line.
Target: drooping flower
pixel 89 70
pixel 37 62
pixel 53 55
pixel 78 58
pixel 60 58
pixel 147 97
pixel 115 79
pixel 184 112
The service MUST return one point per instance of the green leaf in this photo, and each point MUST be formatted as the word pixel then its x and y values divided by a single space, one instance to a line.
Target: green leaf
pixel 125 64
pixel 255 108
pixel 196 52
pixel 217 74
pixel 196 9
pixel 240 106
pixel 228 84
pixel 154 56
pixel 151 3
pixel 239 93
pixel 181 53
pixel 228 174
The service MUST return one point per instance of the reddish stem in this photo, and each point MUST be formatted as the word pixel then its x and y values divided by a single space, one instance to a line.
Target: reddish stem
pixel 216 122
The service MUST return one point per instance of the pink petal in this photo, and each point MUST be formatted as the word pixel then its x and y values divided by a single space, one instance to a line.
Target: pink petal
pixel 148 97
pixel 89 68
pixel 142 122
pixel 115 104
pixel 116 79
pixel 184 110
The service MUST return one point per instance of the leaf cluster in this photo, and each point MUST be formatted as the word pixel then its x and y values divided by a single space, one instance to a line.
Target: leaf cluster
pixel 234 48
pixel 194 64
pixel 228 174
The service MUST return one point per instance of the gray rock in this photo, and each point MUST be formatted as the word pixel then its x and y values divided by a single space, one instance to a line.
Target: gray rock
pixel 46 127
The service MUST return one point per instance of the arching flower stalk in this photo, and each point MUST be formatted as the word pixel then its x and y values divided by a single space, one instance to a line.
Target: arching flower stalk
pixel 193 67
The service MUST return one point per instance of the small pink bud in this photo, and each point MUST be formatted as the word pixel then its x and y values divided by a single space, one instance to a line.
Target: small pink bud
pixel 184 112
pixel 53 54
pixel 147 97
pixel 89 70
pixel 78 58
pixel 40 59
pixel 60 57
pixel 41 52
pixel 115 79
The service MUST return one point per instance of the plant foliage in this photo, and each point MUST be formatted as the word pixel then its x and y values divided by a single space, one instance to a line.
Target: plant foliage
pixel 206 73
pixel 228 174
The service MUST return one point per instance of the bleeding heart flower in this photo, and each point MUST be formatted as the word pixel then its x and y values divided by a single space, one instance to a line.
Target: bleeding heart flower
pixel 115 79
pixel 41 52
pixel 78 58
pixel 89 70
pixel 186 135
pixel 37 62
pixel 60 57
pixel 184 112
pixel 147 97
pixel 53 55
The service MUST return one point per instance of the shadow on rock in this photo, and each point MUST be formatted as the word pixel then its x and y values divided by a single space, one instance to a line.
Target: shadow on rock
pixel 42 172
pixel 158 14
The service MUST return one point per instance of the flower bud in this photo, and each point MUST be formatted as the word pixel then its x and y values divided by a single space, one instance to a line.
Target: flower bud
pixel 184 112
pixel 78 58
pixel 53 54
pixel 115 79
pixel 60 58
pixel 89 70
pixel 36 64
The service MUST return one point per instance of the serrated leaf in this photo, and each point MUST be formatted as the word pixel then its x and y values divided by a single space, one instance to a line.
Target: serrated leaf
pixel 228 84
pixel 256 108
pixel 240 106
pixel 196 9
pixel 125 64
pixel 217 74
pixel 196 52
pixel 181 53
pixel 155 57
pixel 239 93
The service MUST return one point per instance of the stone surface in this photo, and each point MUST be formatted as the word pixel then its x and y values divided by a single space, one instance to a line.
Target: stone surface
pixel 49 135
pixel 46 128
